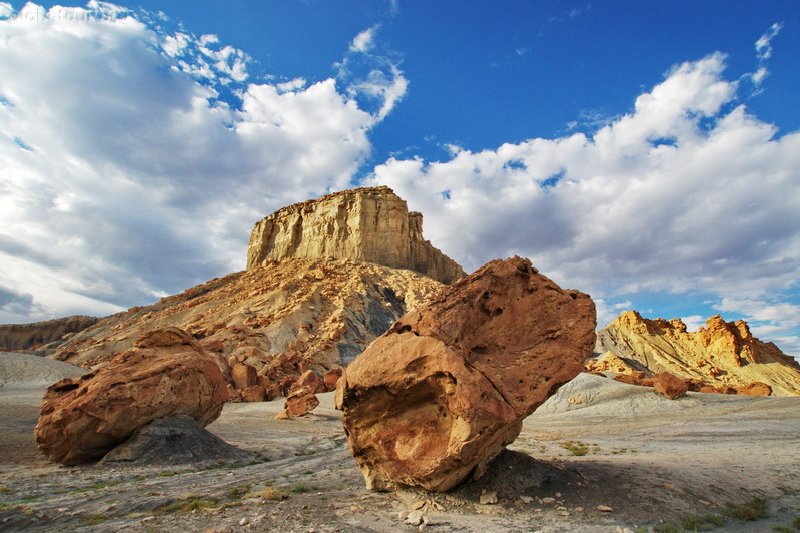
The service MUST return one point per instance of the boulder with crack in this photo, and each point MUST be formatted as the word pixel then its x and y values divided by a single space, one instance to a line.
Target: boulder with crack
pixel 440 394
pixel 166 373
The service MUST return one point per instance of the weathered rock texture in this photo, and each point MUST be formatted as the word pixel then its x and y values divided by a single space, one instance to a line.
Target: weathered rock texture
pixel 22 337
pixel 367 224
pixel 279 318
pixel 721 357
pixel 448 386
pixel 165 374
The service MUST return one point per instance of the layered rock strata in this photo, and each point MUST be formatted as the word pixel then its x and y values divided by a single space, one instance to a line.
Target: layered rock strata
pixel 439 395
pixel 720 357
pixel 368 224
pixel 165 374
pixel 34 336
pixel 276 320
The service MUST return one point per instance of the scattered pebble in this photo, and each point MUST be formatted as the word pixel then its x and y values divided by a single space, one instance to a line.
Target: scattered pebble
pixel 489 498
pixel 604 508
pixel 548 500
pixel 414 518
pixel 526 499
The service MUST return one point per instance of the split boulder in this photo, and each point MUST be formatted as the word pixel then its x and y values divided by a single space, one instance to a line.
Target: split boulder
pixel 446 389
pixel 165 373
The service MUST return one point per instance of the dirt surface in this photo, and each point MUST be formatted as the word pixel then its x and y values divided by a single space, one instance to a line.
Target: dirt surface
pixel 648 459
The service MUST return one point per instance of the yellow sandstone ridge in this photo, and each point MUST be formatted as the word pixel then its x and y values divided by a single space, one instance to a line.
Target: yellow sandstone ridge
pixel 370 224
pixel 721 354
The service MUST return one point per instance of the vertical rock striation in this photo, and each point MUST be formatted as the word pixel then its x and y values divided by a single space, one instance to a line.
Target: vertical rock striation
pixel 367 224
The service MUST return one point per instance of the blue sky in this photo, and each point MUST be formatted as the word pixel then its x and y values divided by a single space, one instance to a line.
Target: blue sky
pixel 645 153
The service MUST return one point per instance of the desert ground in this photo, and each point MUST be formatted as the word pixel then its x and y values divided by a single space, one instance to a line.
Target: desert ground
pixel 649 461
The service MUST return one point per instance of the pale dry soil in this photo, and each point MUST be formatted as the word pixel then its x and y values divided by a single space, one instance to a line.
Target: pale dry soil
pixel 647 458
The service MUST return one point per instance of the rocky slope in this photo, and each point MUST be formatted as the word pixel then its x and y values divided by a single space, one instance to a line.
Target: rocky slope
pixel 280 317
pixel 18 337
pixel 724 355
pixel 366 224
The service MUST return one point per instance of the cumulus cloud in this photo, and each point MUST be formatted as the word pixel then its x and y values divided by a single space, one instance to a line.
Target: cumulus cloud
pixel 686 194
pixel 134 160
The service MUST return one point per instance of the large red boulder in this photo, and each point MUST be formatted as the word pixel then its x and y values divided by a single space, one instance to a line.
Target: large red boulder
pixel 166 373
pixel 755 389
pixel 440 394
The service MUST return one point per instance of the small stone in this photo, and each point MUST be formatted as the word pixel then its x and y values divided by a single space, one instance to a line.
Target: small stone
pixel 578 509
pixel 419 504
pixel 526 499
pixel 563 513
pixel 558 494
pixel 604 508
pixel 244 521
pixel 548 500
pixel 489 498
pixel 561 508
pixel 414 518
pixel 537 510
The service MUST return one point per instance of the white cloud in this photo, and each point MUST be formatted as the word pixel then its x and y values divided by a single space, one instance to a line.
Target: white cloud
pixel 688 193
pixel 763 48
pixel 694 322
pixel 764 43
pixel 141 179
pixel 364 41
pixel 373 78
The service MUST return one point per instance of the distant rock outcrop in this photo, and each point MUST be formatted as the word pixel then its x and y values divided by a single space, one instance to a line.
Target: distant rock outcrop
pixel 367 224
pixel 22 337
pixel 721 357
pixel 165 374
pixel 270 324
pixel 446 389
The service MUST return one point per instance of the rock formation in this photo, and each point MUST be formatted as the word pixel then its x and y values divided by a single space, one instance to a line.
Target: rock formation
pixel 279 319
pixel 367 224
pixel 721 357
pixel 32 337
pixel 669 386
pixel 441 393
pixel 166 373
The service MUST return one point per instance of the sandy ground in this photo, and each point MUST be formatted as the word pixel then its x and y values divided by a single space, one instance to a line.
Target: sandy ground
pixel 649 459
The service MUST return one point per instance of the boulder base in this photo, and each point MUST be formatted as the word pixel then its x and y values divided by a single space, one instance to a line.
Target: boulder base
pixel 439 395
pixel 174 440
pixel 166 373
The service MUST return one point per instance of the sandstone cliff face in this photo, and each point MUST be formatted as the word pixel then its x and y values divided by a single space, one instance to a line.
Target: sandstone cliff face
pixel 722 354
pixel 277 319
pixel 367 224
pixel 15 337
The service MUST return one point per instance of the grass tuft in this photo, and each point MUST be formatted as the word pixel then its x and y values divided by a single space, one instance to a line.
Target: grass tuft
pixel 752 510
pixel 187 505
pixel 271 493
pixel 94 519
pixel 239 490
pixel 575 447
